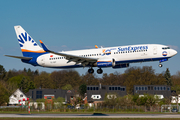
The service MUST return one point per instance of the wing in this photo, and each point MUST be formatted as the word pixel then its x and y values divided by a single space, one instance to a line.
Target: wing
pixel 78 59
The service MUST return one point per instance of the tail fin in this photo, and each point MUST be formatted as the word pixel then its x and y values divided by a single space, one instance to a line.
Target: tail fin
pixel 26 42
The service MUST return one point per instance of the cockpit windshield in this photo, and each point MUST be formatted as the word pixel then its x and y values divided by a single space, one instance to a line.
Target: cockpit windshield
pixel 164 48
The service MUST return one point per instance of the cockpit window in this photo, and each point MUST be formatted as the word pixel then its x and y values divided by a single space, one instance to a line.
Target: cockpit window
pixel 164 48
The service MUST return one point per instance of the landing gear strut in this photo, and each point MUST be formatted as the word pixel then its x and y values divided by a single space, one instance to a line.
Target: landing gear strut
pixel 91 71
pixel 99 71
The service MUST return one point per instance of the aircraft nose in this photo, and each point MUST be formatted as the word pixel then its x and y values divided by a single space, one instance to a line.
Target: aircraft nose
pixel 174 52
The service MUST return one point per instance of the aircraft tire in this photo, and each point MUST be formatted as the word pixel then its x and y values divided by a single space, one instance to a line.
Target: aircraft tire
pixel 91 71
pixel 99 71
pixel 160 65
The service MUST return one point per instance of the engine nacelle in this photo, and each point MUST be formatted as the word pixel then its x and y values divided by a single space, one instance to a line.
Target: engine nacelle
pixel 121 66
pixel 106 63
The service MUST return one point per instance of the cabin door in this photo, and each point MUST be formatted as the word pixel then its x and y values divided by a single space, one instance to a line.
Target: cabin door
pixel 43 60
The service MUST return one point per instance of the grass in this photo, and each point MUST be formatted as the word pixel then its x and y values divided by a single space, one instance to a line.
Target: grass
pixel 78 112
pixel 74 111
pixel 89 118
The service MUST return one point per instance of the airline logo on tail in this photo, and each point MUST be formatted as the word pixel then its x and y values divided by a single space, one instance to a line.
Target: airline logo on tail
pixel 26 38
pixel 26 42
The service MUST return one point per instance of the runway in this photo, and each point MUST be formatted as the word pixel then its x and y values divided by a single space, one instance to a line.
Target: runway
pixel 95 115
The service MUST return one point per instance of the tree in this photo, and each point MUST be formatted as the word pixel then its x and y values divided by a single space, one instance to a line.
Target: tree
pixel 2 72
pixel 25 70
pixel 43 80
pixel 4 95
pixel 58 102
pixel 64 77
pixel 151 101
pixel 67 87
pixel 167 76
pixel 24 83
pixel 141 76
pixel 89 79
pixel 112 79
pixel 30 86
pixel 36 72
pixel 82 89
pixel 176 86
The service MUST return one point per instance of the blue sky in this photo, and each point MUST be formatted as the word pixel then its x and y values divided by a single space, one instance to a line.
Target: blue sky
pixel 81 24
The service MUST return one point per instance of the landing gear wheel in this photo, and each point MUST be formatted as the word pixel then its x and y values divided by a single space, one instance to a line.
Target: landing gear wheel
pixel 160 65
pixel 99 71
pixel 91 71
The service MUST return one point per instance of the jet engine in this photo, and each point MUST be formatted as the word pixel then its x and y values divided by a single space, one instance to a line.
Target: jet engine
pixel 121 65
pixel 105 63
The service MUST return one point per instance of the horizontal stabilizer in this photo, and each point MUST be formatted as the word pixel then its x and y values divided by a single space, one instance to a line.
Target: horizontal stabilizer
pixel 19 57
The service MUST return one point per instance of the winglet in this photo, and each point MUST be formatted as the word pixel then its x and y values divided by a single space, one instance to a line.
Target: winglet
pixel 44 46
pixel 96 46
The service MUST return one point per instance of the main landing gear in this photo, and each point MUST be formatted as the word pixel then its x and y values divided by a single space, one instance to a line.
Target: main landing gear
pixel 91 71
pixel 99 71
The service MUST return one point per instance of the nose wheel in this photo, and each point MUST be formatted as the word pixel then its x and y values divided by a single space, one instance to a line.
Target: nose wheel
pixel 160 65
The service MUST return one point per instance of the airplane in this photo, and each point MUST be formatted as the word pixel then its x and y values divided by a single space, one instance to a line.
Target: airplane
pixel 115 57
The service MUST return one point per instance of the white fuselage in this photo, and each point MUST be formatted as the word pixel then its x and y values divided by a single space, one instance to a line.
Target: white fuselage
pixel 121 54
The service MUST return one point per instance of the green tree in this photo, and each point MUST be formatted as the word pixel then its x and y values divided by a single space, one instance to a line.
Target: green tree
pixel 4 94
pixel 141 76
pixel 21 82
pixel 25 70
pixel 36 72
pixel 58 102
pixel 43 80
pixel 176 85
pixel 67 87
pixel 29 86
pixel 2 72
pixel 112 79
pixel 82 89
pixel 89 79
pixel 167 76
pixel 64 77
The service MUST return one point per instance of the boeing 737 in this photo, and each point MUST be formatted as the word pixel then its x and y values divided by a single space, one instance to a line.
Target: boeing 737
pixel 115 57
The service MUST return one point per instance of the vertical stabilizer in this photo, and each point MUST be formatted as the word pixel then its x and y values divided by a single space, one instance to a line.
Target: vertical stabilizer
pixel 26 42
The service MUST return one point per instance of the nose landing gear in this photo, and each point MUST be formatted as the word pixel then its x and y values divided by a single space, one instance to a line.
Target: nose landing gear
pixel 160 65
